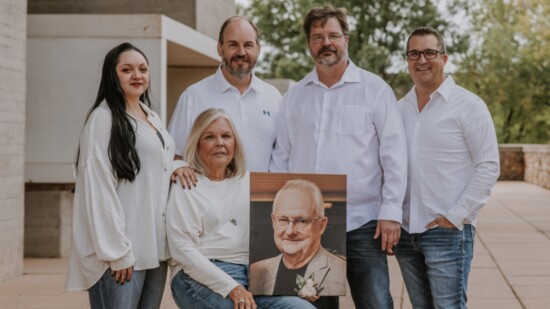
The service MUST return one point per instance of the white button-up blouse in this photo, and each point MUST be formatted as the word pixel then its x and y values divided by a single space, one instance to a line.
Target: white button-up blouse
pixel 118 223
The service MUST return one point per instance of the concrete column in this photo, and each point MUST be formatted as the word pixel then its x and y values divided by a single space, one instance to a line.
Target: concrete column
pixel 13 14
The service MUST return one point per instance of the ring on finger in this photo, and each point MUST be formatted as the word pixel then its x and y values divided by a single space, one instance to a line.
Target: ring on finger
pixel 241 300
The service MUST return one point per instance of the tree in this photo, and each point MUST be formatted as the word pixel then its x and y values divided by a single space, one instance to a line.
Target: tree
pixel 509 67
pixel 378 33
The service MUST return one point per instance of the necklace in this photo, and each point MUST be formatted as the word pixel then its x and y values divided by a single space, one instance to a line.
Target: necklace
pixel 131 111
pixel 229 201
pixel 227 198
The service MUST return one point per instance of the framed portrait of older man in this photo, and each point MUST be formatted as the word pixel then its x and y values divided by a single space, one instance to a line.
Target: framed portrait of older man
pixel 297 234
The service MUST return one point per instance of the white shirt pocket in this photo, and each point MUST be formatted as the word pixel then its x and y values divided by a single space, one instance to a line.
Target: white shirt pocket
pixel 352 119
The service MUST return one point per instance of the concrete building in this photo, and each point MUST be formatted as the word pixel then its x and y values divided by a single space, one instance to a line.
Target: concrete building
pixel 50 69
pixel 13 24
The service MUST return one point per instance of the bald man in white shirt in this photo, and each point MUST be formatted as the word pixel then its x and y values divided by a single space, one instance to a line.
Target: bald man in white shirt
pixel 341 119
pixel 453 164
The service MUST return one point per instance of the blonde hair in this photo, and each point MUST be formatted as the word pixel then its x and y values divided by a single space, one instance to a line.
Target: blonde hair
pixel 237 166
pixel 308 187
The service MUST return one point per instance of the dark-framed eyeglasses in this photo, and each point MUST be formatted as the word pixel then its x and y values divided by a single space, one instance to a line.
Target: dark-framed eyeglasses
pixel 299 223
pixel 429 54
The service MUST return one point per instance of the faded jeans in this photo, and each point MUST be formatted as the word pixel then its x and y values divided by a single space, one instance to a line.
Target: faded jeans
pixel 144 290
pixel 367 269
pixel 189 294
pixel 435 266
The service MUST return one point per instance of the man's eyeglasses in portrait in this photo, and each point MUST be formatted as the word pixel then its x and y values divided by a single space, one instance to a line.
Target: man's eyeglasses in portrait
pixel 299 223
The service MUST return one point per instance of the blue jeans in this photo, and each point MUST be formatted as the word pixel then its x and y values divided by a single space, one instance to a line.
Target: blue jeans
pixel 367 269
pixel 435 266
pixel 190 294
pixel 144 290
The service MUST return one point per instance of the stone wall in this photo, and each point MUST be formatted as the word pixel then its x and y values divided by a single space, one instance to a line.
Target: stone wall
pixel 512 166
pixel 13 25
pixel 528 162
pixel 537 164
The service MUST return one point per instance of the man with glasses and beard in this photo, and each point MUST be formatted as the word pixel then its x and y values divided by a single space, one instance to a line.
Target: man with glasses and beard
pixel 251 103
pixel 340 119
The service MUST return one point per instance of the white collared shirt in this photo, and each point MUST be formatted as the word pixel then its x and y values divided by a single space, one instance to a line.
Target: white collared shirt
pixel 253 113
pixel 118 223
pixel 352 128
pixel 453 157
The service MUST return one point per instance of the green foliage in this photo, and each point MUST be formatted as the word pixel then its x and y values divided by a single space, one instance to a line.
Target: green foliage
pixel 509 67
pixel 378 33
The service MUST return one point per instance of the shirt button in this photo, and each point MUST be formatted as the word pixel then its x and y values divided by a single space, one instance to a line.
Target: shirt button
pixel 165 169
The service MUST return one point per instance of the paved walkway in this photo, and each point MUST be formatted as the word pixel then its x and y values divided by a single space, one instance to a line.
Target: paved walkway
pixel 511 267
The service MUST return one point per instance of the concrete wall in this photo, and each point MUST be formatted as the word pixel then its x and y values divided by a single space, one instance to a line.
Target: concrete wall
pixel 13 25
pixel 212 12
pixel 48 220
pixel 179 78
pixel 212 15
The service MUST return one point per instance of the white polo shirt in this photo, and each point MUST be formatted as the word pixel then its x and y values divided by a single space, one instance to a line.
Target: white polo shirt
pixel 253 113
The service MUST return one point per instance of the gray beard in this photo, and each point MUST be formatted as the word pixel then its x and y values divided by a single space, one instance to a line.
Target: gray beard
pixel 239 72
pixel 328 63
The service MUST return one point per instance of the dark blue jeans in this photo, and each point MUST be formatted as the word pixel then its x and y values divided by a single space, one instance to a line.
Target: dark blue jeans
pixel 367 269
pixel 144 290
pixel 189 294
pixel 435 265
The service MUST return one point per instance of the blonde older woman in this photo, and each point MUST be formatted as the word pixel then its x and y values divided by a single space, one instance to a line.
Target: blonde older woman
pixel 208 226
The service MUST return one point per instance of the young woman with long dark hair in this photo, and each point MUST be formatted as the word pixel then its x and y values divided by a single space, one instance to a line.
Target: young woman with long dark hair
pixel 124 163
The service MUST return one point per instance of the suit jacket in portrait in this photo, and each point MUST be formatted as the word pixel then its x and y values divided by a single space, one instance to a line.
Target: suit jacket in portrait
pixel 324 265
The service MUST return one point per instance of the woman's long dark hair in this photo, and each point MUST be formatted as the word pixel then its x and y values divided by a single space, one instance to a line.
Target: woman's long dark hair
pixel 122 144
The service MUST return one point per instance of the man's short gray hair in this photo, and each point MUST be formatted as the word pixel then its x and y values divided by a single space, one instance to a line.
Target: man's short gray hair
pixel 309 187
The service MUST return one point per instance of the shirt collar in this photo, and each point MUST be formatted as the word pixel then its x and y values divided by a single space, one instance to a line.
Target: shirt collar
pixel 446 87
pixel 444 90
pixel 224 85
pixel 351 75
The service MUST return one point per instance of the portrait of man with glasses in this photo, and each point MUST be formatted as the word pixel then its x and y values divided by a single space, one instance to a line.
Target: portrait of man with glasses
pixel 303 266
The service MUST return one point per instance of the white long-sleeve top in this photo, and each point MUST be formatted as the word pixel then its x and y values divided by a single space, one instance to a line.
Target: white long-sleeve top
pixel 253 113
pixel 200 229
pixel 453 157
pixel 351 128
pixel 116 223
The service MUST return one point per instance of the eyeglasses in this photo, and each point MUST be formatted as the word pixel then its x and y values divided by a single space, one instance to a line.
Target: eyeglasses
pixel 429 54
pixel 333 37
pixel 299 223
